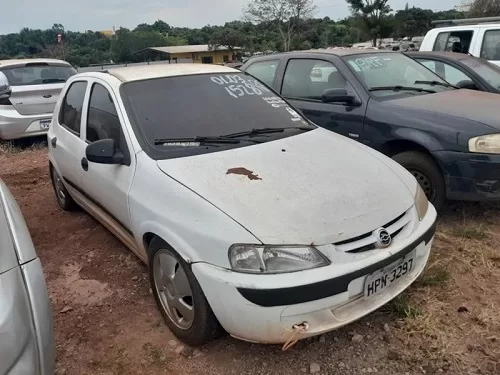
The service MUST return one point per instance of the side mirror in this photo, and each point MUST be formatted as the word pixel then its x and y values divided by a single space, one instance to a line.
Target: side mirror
pixel 5 89
pixel 466 84
pixel 337 96
pixel 103 151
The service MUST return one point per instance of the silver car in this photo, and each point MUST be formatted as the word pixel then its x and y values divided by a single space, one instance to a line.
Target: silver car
pixel 31 88
pixel 26 336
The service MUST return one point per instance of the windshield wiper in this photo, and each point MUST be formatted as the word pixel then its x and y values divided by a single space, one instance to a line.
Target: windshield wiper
pixel 435 83
pixel 265 131
pixel 195 141
pixel 400 88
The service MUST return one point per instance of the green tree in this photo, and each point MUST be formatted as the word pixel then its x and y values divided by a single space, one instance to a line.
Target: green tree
pixel 373 14
pixel 484 8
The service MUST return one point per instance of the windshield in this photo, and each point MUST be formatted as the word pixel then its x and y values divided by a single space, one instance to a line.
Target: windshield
pixel 205 106
pixel 38 74
pixel 489 72
pixel 394 69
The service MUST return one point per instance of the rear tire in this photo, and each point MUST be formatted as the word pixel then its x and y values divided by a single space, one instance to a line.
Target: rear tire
pixel 64 200
pixel 179 296
pixel 427 174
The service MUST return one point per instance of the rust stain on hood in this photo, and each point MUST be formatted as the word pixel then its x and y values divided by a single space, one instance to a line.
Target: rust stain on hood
pixel 243 172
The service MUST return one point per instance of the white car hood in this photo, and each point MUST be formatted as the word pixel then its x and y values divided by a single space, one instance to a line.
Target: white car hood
pixel 314 188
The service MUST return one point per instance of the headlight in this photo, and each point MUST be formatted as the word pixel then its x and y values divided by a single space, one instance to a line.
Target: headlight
pixel 421 202
pixel 274 259
pixel 487 144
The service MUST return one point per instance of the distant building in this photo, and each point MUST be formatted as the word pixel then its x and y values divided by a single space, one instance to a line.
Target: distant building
pixel 108 33
pixel 202 53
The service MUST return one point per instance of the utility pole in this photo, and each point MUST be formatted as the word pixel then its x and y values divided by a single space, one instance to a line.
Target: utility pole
pixel 60 41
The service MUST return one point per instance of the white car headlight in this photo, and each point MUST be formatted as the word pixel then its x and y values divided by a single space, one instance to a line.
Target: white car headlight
pixel 486 144
pixel 274 259
pixel 421 202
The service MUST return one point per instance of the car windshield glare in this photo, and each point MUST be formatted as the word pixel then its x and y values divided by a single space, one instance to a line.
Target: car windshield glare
pixel 205 106
pixel 386 70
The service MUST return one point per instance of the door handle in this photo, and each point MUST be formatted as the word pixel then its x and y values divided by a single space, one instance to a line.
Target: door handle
pixel 53 142
pixel 47 96
pixel 85 164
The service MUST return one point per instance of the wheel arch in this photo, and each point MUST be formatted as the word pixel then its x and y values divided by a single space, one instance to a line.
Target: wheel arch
pixel 398 146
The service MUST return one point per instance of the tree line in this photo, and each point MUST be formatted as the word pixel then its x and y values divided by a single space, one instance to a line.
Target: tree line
pixel 276 25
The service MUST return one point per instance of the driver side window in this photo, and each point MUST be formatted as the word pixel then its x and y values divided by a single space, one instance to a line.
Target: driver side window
pixel 102 120
pixel 309 78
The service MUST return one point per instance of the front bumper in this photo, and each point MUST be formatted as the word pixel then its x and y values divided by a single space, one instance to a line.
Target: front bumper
pixel 469 176
pixel 15 126
pixel 264 308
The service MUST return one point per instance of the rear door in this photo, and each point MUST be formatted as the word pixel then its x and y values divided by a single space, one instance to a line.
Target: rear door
pixel 36 86
pixel 488 46
pixel 66 148
pixel 302 82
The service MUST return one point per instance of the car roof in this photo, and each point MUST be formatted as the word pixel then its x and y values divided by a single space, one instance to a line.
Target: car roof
pixel 143 72
pixel 22 62
pixel 325 51
pixel 448 55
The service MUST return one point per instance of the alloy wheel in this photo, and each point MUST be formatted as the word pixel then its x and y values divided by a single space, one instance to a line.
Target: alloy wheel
pixel 174 289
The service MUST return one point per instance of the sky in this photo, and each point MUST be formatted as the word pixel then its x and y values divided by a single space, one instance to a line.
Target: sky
pixel 81 15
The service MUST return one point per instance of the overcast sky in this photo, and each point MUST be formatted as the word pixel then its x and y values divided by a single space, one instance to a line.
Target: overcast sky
pixel 80 15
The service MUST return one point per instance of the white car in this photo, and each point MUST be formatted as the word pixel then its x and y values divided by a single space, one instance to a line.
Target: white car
pixel 29 89
pixel 479 37
pixel 248 215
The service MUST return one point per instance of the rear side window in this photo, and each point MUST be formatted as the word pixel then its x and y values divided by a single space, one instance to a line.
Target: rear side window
pixel 71 110
pixel 457 41
pixel 102 119
pixel 38 74
pixel 491 45
pixel 264 71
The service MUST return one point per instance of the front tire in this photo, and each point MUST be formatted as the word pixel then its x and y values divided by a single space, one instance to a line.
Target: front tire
pixel 427 174
pixel 179 296
pixel 64 200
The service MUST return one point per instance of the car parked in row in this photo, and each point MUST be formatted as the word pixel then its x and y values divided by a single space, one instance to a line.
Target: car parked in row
pixel 463 71
pixel 479 37
pixel 29 89
pixel 249 216
pixel 449 139
pixel 26 338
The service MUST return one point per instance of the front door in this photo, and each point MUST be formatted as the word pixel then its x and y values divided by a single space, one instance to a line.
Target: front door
pixel 303 83
pixel 107 185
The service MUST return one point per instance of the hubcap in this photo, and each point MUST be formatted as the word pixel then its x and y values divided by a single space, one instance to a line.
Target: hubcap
pixel 173 288
pixel 426 184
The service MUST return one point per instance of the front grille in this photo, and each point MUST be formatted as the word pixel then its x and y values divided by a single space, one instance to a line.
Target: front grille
pixel 367 241
pixel 5 101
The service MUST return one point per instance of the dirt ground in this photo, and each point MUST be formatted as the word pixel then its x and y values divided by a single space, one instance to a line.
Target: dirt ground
pixel 106 321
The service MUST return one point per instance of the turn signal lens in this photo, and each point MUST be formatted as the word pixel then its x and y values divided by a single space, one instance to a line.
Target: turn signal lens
pixel 421 202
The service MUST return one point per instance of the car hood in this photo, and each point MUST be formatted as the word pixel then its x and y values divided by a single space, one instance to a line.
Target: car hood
pixel 471 105
pixel 317 187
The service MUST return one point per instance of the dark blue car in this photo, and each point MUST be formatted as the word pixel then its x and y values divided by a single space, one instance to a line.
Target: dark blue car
pixel 448 138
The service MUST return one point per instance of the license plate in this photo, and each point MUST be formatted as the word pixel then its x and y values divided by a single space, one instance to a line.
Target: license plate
pixel 381 280
pixel 45 124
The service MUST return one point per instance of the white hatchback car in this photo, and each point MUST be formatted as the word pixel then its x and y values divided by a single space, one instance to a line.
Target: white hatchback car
pixel 29 89
pixel 248 215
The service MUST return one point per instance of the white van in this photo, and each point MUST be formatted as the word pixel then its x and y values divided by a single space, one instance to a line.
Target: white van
pixel 479 37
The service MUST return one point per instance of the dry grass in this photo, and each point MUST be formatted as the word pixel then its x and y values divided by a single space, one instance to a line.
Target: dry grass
pixel 13 148
pixel 453 309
